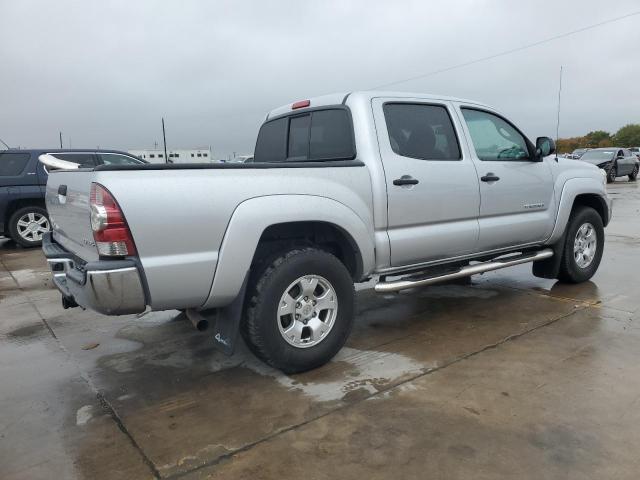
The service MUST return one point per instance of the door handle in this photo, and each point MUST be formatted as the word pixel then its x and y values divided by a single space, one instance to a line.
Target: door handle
pixel 406 180
pixel 490 177
pixel 62 190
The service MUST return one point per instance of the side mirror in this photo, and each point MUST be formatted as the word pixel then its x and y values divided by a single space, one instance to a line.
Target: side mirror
pixel 545 146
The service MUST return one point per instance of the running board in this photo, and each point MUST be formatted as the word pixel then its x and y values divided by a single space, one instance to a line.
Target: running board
pixel 402 284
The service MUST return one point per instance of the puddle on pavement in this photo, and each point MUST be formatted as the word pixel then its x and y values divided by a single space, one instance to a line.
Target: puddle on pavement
pixel 26 334
pixel 456 291
pixel 351 373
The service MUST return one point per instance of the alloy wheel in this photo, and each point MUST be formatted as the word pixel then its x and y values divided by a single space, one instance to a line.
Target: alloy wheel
pixel 32 226
pixel 307 311
pixel 585 245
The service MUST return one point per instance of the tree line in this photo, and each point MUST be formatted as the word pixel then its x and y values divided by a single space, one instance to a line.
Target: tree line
pixel 627 136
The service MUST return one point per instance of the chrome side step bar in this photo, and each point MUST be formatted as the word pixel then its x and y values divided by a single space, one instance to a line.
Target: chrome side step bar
pixel 402 284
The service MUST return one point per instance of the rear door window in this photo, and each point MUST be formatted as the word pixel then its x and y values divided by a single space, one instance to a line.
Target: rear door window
pixel 421 131
pixel 13 164
pixel 320 135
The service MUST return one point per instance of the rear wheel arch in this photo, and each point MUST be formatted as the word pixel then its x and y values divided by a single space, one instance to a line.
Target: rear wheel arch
pixel 15 205
pixel 334 226
pixel 319 234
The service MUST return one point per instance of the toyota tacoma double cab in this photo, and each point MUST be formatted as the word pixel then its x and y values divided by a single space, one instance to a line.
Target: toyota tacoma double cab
pixel 405 189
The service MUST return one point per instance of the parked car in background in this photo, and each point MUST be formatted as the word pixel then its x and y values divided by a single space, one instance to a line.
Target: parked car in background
pixel 617 162
pixel 635 151
pixel 272 248
pixel 23 216
pixel 577 153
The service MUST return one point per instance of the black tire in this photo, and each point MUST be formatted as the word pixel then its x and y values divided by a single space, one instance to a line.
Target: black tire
pixel 14 232
pixel 570 271
pixel 633 175
pixel 260 327
pixel 612 174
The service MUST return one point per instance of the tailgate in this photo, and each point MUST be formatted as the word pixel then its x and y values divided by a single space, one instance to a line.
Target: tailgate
pixel 67 199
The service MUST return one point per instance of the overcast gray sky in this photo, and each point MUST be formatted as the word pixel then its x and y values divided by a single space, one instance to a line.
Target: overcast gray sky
pixel 104 72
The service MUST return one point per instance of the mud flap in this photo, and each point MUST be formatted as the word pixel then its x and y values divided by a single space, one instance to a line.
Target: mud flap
pixel 550 268
pixel 227 322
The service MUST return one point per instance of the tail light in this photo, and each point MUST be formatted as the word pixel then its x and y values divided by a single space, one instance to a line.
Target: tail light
pixel 110 230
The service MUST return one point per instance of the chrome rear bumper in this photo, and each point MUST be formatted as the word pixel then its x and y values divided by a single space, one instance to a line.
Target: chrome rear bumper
pixel 112 287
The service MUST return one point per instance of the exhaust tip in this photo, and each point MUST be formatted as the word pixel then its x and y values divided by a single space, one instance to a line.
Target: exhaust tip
pixel 202 325
pixel 198 321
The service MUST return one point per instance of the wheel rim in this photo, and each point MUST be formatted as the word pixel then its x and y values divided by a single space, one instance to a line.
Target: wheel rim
pixel 635 171
pixel 32 225
pixel 612 174
pixel 585 245
pixel 307 311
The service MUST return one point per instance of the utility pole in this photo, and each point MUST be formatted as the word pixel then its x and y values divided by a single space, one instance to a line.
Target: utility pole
pixel 558 123
pixel 60 134
pixel 164 139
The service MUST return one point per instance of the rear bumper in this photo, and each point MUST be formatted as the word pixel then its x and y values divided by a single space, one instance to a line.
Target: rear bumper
pixel 112 287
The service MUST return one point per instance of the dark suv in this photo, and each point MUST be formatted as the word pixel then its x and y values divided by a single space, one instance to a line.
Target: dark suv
pixel 22 184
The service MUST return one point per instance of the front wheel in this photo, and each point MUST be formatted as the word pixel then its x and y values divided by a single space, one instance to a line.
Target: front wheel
pixel 634 174
pixel 28 224
pixel 612 174
pixel 300 310
pixel 583 247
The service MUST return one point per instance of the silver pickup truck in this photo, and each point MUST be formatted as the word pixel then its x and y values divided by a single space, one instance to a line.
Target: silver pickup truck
pixel 406 189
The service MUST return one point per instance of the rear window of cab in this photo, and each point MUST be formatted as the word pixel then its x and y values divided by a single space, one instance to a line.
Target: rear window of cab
pixel 317 135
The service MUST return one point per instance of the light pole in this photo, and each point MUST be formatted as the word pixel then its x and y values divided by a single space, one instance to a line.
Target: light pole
pixel 164 139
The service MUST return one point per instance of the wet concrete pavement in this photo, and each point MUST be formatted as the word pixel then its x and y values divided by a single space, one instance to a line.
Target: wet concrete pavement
pixel 509 377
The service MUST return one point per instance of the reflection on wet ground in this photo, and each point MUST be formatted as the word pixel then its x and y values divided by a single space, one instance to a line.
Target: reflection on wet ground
pixel 510 376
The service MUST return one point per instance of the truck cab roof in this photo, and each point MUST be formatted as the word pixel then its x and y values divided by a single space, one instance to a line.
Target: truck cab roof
pixel 365 96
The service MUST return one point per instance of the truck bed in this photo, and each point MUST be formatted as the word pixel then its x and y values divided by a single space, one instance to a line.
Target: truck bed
pixel 179 213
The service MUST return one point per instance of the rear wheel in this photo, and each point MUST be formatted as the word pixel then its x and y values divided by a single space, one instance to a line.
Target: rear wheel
pixel 28 224
pixel 612 174
pixel 583 247
pixel 300 310
pixel 634 174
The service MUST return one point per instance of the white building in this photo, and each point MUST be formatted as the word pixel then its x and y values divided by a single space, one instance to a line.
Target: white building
pixel 194 155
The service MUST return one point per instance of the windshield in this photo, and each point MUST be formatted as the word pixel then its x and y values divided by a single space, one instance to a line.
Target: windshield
pixel 598 155
pixel 579 151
